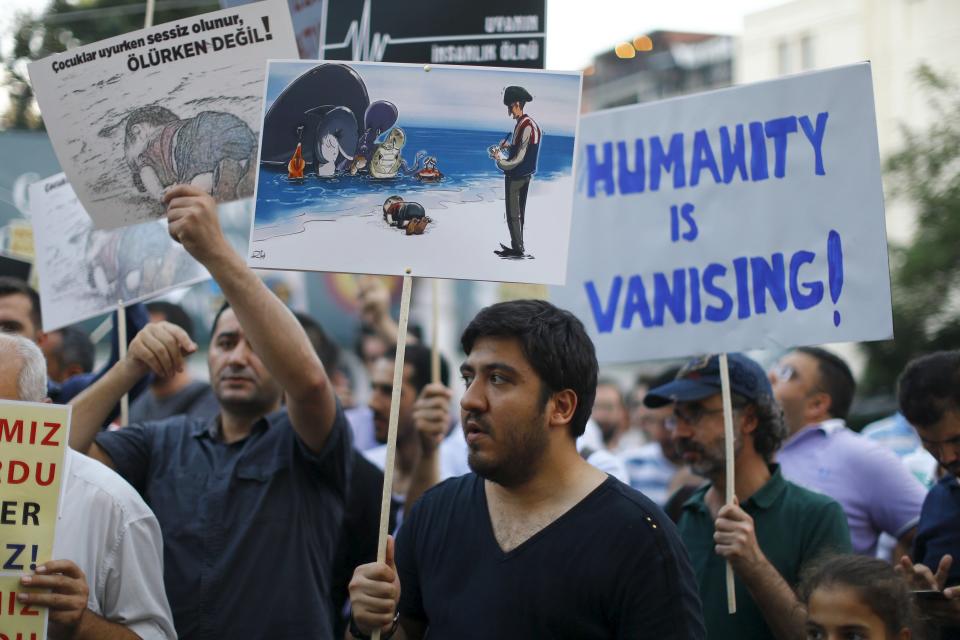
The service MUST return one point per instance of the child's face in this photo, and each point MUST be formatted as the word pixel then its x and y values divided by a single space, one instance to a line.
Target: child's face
pixel 837 612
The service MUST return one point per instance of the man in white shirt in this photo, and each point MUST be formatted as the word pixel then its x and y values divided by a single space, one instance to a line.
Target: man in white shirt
pixel 109 584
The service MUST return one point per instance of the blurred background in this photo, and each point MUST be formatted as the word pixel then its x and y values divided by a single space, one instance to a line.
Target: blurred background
pixel 630 51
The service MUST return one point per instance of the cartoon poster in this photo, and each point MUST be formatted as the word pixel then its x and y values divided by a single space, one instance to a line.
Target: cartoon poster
pixel 745 218
pixel 452 172
pixel 176 103
pixel 33 443
pixel 85 272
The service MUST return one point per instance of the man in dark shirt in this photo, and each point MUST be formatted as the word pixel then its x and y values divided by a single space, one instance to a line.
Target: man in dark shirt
pixel 930 400
pixel 250 502
pixel 536 542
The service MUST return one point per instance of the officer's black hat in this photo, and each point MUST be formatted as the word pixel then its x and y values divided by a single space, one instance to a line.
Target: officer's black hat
pixel 516 94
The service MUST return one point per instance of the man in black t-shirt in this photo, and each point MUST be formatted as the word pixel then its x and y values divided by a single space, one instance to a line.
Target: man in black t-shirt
pixel 536 543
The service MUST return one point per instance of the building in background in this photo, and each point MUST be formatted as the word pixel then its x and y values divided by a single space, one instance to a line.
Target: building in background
pixel 658 65
pixel 896 36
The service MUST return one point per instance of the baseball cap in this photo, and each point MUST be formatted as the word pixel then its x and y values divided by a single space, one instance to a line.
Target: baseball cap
pixel 700 378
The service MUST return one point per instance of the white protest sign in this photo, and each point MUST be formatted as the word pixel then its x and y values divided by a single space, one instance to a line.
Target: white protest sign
pixel 750 217
pixel 176 103
pixel 377 168
pixel 84 272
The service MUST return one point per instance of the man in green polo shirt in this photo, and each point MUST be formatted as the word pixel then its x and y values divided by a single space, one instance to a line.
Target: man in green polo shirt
pixel 776 527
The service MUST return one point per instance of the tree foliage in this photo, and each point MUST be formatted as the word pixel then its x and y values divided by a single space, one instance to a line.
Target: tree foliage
pixel 925 273
pixel 63 25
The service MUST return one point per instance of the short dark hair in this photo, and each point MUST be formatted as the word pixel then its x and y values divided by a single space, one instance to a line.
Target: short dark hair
pixel 419 357
pixel 76 348
pixel 836 379
pixel 327 350
pixel 152 115
pixel 11 286
pixel 929 387
pixel 555 344
pixel 172 313
pixel 771 430
pixel 880 588
pixel 216 318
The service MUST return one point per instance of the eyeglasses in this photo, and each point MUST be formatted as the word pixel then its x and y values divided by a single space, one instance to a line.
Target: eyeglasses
pixel 784 372
pixel 691 416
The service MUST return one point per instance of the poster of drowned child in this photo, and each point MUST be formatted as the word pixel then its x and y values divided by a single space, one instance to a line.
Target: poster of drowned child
pixel 85 272
pixel 452 172
pixel 176 103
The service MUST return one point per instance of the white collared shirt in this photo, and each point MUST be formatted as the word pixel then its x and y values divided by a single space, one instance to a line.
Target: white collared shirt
pixel 107 529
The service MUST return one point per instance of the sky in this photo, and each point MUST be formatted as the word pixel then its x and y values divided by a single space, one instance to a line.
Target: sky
pixel 577 30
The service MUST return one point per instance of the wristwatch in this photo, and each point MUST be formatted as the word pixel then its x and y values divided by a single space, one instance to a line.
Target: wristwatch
pixel 360 635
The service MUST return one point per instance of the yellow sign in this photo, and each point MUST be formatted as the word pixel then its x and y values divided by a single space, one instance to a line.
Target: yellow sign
pixel 33 442
pixel 17 620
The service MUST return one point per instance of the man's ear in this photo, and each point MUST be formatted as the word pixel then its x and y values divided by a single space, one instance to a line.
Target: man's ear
pixel 562 406
pixel 749 417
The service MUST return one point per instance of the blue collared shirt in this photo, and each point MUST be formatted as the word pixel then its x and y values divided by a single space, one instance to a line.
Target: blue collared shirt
pixel 249 528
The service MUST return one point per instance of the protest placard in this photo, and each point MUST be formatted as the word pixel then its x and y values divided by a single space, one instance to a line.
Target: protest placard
pixel 749 217
pixel 33 443
pixel 376 168
pixel 84 272
pixel 508 33
pixel 176 103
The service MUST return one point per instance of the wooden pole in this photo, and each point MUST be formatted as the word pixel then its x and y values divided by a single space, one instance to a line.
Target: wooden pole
pixel 122 344
pixel 392 428
pixel 729 455
pixel 148 18
pixel 434 334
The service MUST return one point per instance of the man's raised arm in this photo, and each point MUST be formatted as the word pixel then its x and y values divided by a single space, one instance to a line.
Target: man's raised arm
pixel 272 330
pixel 159 347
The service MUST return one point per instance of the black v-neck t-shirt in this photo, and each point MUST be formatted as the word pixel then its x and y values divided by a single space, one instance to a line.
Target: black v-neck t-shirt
pixel 613 566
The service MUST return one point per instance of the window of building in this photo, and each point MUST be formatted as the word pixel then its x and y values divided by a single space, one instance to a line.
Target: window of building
pixel 784 64
pixel 806 52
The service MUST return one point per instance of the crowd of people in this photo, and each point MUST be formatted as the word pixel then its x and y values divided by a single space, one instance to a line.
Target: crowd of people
pixel 553 504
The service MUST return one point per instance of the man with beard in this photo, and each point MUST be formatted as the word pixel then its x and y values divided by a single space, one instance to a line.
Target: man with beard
pixel 772 530
pixel 610 414
pixel 930 400
pixel 535 542
pixel 251 501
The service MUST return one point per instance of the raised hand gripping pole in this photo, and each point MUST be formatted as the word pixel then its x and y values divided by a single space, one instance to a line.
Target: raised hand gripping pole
pixel 392 428
pixel 729 455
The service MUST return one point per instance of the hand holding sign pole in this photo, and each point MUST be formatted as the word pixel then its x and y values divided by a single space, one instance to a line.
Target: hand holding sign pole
pixel 392 427
pixel 728 441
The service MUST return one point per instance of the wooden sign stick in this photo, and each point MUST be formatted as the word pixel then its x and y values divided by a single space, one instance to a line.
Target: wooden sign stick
pixel 434 334
pixel 148 18
pixel 392 428
pixel 729 455
pixel 122 344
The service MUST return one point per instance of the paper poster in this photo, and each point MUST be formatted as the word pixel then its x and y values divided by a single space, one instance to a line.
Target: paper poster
pixel 451 172
pixel 750 217
pixel 33 441
pixel 176 103
pixel 84 272
pixel 508 33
